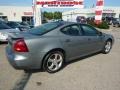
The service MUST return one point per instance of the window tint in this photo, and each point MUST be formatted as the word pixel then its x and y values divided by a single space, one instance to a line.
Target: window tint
pixel 88 30
pixel 72 30
pixel 13 24
pixel 4 26
pixel 44 28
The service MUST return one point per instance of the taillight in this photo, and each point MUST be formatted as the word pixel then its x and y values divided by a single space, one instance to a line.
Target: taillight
pixel 20 46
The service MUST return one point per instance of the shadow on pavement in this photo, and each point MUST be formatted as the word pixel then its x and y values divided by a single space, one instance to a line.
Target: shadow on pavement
pixel 67 63
pixel 82 58
pixel 21 83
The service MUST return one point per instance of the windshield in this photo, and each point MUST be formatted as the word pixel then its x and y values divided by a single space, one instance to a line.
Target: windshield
pixel 44 28
pixel 4 26
pixel 13 24
pixel 24 23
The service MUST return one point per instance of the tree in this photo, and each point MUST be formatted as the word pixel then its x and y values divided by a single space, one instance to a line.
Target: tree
pixel 57 15
pixel 52 15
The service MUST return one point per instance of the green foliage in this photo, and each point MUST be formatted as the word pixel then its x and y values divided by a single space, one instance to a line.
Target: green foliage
pixel 52 15
pixel 103 25
pixel 48 15
pixel 57 15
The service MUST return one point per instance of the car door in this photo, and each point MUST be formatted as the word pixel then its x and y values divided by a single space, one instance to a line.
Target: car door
pixel 93 39
pixel 73 41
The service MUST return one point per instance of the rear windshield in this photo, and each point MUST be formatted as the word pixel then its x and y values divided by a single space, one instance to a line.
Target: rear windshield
pixel 44 28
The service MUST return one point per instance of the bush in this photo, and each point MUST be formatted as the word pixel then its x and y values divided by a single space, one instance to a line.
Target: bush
pixel 103 25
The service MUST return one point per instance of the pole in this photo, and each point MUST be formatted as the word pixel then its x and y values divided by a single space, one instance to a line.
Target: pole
pixel 37 19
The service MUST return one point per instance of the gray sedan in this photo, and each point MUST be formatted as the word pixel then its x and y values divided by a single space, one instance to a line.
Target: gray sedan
pixel 50 45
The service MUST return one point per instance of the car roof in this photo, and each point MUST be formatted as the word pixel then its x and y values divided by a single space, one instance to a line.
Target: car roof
pixel 69 23
pixel 61 23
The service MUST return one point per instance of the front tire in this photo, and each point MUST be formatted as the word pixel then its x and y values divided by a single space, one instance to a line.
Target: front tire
pixel 107 47
pixel 53 61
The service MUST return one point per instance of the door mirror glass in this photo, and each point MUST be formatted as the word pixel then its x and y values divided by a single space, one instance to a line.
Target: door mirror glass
pixel 100 33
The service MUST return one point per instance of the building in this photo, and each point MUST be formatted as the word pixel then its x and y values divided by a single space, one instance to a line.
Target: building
pixel 90 12
pixel 17 13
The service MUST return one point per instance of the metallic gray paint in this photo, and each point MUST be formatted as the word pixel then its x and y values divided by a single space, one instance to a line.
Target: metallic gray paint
pixel 39 46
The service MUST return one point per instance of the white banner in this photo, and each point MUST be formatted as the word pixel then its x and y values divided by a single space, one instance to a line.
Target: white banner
pixel 60 3
pixel 37 20
pixel 99 11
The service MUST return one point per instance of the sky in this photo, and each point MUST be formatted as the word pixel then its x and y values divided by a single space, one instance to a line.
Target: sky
pixel 87 3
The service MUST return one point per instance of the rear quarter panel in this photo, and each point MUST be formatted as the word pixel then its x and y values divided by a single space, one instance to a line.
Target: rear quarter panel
pixel 43 44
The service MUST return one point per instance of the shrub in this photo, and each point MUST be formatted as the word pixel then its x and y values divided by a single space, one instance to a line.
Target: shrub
pixel 103 25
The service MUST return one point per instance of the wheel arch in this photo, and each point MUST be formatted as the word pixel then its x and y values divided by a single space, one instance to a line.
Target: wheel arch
pixel 110 39
pixel 52 50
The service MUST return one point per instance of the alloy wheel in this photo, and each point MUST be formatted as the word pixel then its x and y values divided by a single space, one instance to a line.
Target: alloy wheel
pixel 108 46
pixel 54 62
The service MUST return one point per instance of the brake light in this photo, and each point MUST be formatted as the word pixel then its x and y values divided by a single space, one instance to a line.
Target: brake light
pixel 20 46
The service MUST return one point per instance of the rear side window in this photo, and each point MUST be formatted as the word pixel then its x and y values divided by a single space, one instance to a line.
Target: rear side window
pixel 44 28
pixel 89 30
pixel 72 30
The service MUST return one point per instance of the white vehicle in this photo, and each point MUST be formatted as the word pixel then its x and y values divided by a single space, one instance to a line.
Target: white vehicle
pixel 5 31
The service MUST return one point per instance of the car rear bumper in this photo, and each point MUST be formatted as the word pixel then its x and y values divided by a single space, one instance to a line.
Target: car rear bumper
pixel 24 61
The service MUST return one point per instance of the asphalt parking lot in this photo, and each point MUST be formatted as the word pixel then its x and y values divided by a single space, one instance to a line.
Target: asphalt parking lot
pixel 97 72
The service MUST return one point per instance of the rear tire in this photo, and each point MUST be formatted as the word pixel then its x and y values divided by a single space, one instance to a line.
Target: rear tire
pixel 53 61
pixel 107 47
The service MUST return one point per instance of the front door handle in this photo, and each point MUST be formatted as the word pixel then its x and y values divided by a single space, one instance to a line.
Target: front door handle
pixel 89 39
pixel 67 40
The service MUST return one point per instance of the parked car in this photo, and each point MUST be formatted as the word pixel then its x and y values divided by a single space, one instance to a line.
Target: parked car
pixel 116 22
pixel 5 30
pixel 26 24
pixel 50 45
pixel 108 20
pixel 16 25
pixel 81 19
pixel 2 20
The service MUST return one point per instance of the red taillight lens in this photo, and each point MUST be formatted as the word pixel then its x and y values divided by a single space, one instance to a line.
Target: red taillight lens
pixel 20 46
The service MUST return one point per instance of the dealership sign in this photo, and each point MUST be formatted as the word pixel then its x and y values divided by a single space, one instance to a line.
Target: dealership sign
pixel 28 13
pixel 108 11
pixel 60 3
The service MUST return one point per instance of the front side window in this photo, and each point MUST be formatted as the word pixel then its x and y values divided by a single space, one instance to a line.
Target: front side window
pixel 89 30
pixel 72 30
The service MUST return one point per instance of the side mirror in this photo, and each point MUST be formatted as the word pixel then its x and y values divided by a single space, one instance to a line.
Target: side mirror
pixel 100 33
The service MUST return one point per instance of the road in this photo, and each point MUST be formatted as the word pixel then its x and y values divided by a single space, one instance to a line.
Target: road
pixel 8 75
pixel 97 72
